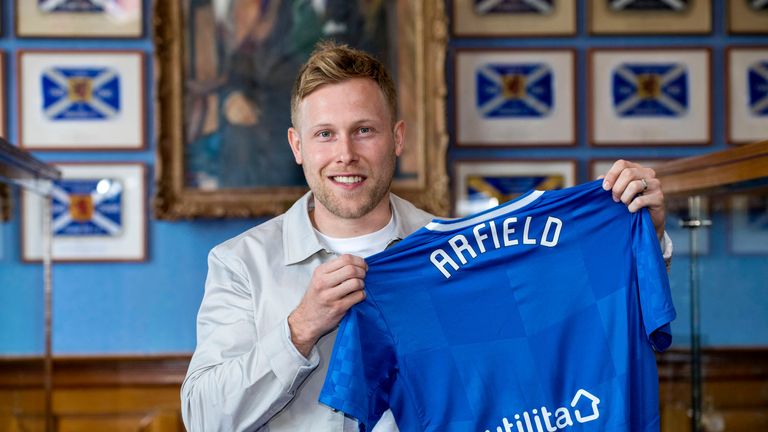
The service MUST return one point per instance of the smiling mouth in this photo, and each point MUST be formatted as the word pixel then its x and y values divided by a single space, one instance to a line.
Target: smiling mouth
pixel 350 179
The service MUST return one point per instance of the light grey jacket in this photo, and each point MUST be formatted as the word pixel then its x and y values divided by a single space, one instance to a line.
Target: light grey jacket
pixel 245 374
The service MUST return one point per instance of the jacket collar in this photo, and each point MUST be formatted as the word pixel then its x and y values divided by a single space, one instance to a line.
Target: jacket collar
pixel 300 241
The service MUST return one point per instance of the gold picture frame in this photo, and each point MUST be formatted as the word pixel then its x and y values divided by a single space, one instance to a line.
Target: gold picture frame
pixel 419 53
pixel 696 18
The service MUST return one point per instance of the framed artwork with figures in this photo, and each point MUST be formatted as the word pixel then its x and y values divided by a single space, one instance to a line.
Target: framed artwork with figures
pixel 225 78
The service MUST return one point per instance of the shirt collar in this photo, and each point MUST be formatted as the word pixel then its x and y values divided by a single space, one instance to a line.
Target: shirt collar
pixel 300 241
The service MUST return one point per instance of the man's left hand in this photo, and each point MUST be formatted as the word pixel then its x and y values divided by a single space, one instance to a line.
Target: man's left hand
pixel 637 187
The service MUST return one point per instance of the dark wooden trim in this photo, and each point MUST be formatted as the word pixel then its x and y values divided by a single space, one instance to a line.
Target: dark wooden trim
pixel 96 371
pixel 712 170
pixel 718 363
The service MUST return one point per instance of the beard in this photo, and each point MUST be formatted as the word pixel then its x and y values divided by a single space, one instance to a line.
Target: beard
pixel 354 204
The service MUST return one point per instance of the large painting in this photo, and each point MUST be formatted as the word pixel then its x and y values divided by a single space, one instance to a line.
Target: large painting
pixel 226 68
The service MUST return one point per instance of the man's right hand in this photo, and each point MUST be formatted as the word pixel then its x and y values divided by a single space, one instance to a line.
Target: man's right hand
pixel 335 287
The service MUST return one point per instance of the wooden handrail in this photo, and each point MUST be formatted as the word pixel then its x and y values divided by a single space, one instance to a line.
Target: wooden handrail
pixel 702 174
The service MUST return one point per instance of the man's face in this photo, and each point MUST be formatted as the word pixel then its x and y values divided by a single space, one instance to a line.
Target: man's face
pixel 347 147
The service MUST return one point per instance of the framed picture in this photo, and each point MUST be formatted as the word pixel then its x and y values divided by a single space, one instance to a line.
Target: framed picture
pixel 651 96
pixel 650 16
pixel 505 18
pixel 514 97
pixel 480 185
pixel 98 213
pixel 79 18
pixel 748 233
pixel 81 100
pixel 747 78
pixel 3 128
pixel 747 16
pixel 224 105
pixel 676 210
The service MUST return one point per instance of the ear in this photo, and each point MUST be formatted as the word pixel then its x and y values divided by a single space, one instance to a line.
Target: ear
pixel 294 139
pixel 399 133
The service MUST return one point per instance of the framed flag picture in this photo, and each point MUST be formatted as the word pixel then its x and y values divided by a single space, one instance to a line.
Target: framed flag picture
pixel 510 18
pixel 650 16
pixel 515 97
pixel 98 213
pixel 747 78
pixel 81 100
pixel 79 18
pixel 651 96
pixel 481 185
pixel 748 16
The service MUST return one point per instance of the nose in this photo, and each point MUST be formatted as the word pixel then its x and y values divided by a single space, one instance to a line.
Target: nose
pixel 346 153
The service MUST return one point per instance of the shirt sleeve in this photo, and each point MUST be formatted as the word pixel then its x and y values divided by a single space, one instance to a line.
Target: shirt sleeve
pixel 362 366
pixel 666 250
pixel 238 379
pixel 652 282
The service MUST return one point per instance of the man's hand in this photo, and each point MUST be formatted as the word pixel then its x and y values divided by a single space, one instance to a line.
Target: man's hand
pixel 637 187
pixel 335 287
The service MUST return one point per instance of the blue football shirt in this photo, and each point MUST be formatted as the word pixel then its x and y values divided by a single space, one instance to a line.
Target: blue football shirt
pixel 538 315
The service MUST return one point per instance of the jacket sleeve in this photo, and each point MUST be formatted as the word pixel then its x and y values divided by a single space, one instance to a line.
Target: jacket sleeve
pixel 238 379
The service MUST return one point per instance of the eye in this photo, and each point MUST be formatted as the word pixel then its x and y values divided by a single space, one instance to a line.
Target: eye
pixel 325 134
pixel 366 130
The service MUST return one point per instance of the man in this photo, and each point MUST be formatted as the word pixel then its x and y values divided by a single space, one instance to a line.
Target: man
pixel 275 293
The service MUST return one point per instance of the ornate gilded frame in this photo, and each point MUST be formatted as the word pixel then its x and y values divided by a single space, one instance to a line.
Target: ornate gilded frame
pixel 422 33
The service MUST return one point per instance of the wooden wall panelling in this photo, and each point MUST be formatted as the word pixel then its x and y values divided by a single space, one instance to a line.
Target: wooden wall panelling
pixel 141 394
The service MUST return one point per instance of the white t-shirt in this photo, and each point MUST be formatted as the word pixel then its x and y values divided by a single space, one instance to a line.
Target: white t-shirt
pixel 364 246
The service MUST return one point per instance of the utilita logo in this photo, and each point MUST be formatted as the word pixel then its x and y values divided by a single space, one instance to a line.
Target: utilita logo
pixel 545 420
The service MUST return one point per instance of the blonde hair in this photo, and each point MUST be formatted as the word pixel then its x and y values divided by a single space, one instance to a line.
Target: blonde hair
pixel 332 63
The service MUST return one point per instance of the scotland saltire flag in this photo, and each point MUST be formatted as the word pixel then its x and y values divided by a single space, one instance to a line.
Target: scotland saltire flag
pixel 515 90
pixel 73 5
pixel 650 90
pixel 87 208
pixel 675 5
pixel 757 79
pixel 483 7
pixel 81 93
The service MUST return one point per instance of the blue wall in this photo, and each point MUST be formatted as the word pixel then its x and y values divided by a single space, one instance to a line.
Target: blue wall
pixel 150 307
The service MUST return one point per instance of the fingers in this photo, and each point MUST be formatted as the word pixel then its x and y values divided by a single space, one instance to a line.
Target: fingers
pixel 618 167
pixel 639 187
pixel 338 270
pixel 335 287
pixel 629 181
